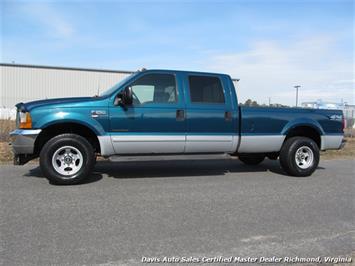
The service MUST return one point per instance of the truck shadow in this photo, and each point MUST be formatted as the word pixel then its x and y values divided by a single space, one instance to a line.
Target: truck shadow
pixel 176 168
pixel 172 168
pixel 36 172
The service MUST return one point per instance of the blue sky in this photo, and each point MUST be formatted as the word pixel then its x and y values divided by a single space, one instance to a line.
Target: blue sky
pixel 269 45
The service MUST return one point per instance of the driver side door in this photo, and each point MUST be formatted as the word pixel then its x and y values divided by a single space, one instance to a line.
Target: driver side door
pixel 155 122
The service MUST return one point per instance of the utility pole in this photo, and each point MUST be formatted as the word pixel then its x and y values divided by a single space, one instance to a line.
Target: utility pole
pixel 269 101
pixel 297 87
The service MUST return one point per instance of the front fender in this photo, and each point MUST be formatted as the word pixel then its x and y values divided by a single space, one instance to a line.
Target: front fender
pixel 42 120
pixel 302 122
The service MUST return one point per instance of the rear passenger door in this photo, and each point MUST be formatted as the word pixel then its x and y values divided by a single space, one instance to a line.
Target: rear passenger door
pixel 211 121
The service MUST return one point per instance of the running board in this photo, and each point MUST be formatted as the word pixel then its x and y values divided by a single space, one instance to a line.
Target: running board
pixel 168 157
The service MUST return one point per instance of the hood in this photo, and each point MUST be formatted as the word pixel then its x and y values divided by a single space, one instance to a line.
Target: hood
pixel 57 101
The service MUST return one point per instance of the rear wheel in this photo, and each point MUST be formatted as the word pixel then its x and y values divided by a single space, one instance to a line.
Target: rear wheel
pixel 251 159
pixel 299 156
pixel 67 159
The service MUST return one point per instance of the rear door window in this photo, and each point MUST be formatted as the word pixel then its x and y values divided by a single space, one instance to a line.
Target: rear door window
pixel 206 89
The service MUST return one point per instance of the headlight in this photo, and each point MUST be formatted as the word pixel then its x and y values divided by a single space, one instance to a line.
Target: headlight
pixel 25 120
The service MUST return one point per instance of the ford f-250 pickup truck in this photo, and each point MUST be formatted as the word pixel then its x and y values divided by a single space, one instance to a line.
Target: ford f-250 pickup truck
pixel 169 112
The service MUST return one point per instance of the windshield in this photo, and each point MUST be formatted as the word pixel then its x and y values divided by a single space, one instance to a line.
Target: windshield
pixel 119 84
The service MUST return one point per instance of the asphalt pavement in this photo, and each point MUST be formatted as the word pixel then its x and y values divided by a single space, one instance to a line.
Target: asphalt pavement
pixel 184 208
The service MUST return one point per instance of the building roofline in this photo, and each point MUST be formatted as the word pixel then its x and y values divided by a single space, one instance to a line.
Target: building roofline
pixel 85 69
pixel 67 68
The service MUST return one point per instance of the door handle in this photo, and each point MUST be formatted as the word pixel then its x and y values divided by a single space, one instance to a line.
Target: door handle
pixel 228 115
pixel 180 115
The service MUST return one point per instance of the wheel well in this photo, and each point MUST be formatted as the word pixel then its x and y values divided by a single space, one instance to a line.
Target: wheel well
pixel 305 131
pixel 57 129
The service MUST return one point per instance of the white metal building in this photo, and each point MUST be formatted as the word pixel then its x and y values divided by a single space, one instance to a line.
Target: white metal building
pixel 23 83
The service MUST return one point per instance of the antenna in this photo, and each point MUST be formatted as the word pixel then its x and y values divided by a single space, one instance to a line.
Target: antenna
pixel 98 88
pixel 297 87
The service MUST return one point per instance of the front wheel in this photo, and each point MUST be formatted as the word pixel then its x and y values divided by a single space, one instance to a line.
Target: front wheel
pixel 67 159
pixel 299 156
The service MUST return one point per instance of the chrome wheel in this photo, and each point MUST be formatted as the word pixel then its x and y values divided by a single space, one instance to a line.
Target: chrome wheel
pixel 67 161
pixel 304 157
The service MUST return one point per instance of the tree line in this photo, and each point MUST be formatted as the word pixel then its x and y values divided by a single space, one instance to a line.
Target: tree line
pixel 252 103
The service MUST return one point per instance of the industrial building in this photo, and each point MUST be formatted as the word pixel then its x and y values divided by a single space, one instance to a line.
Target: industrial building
pixel 23 83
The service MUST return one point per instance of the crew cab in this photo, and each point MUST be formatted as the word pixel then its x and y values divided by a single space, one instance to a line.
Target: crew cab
pixel 154 112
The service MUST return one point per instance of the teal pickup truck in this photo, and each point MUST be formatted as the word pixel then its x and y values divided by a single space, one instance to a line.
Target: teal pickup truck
pixel 154 112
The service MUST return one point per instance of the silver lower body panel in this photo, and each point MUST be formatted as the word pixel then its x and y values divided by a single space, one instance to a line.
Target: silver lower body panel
pixel 261 143
pixel 331 142
pixel 165 144
pixel 184 144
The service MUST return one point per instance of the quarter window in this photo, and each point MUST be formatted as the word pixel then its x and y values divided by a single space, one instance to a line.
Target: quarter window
pixel 154 88
pixel 205 89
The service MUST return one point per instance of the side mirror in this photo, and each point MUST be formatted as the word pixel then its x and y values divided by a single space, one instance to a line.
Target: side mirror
pixel 128 96
pixel 125 97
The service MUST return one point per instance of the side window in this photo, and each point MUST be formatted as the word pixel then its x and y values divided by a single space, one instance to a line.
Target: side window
pixel 154 88
pixel 204 89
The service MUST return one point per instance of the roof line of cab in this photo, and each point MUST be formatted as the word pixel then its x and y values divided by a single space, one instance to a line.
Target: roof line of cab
pixel 181 71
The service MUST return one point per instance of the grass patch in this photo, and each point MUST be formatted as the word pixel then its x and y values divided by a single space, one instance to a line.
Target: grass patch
pixel 348 152
pixel 6 126
pixel 6 154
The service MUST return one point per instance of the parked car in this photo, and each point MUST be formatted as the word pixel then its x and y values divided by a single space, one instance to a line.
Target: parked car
pixel 169 112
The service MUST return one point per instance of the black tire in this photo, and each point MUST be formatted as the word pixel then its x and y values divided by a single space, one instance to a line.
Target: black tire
pixel 79 147
pixel 292 164
pixel 251 159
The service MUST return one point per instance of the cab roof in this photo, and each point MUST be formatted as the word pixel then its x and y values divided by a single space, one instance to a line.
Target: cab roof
pixel 185 72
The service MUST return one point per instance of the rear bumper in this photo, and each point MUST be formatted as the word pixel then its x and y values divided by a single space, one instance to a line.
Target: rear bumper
pixel 343 142
pixel 23 140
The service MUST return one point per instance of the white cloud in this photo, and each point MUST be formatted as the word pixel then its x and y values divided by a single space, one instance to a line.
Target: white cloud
pixel 271 69
pixel 55 23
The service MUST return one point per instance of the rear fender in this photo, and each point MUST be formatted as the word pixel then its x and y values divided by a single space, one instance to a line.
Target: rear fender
pixel 302 122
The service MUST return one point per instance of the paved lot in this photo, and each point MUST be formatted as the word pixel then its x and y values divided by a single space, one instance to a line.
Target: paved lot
pixel 198 208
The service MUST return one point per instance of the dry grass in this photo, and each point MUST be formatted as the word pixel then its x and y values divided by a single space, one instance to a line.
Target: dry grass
pixel 348 152
pixel 6 155
pixel 6 126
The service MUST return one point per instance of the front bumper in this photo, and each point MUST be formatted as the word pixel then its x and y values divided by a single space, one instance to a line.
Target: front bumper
pixel 23 140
